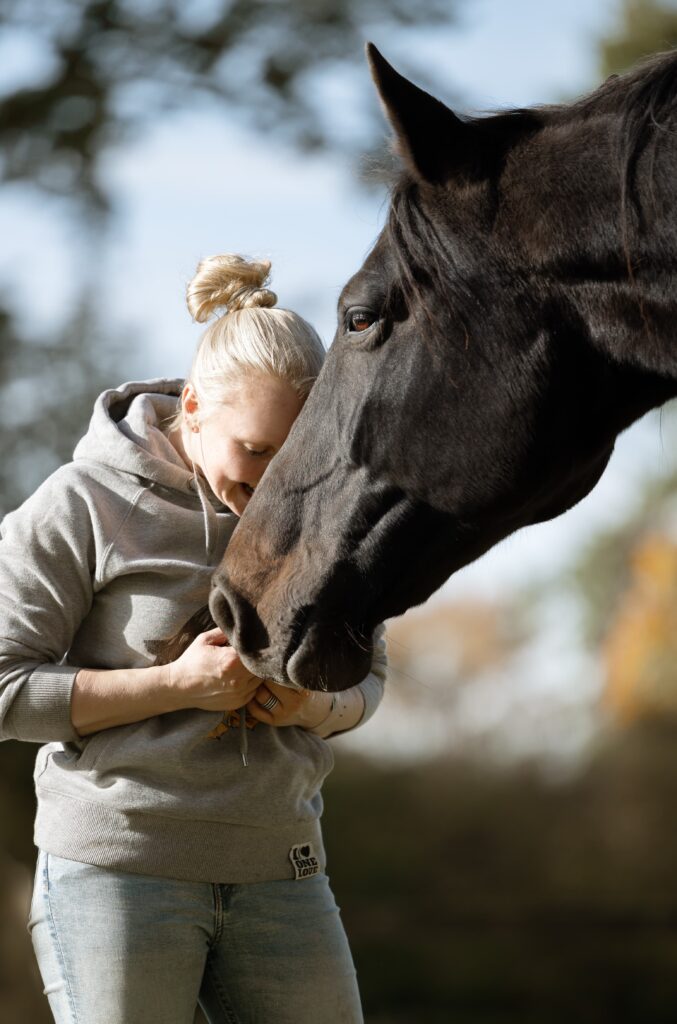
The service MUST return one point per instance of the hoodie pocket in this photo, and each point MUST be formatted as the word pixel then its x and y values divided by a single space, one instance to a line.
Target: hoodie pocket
pixel 42 759
pixel 96 745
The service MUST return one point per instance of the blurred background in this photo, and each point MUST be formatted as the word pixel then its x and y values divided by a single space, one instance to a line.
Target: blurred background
pixel 501 834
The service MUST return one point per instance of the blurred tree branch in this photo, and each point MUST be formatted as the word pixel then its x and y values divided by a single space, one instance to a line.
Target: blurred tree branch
pixel 111 66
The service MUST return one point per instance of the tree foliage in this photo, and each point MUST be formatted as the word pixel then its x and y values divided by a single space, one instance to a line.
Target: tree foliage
pixel 111 66
pixel 645 27
pixel 641 647
pixel 47 387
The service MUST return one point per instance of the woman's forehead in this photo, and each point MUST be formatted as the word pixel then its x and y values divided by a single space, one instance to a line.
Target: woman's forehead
pixel 261 407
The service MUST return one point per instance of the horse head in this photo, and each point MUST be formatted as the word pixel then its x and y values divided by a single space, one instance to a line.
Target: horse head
pixel 515 314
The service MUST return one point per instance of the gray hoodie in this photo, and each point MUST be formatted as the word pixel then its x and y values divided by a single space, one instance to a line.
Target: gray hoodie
pixel 113 553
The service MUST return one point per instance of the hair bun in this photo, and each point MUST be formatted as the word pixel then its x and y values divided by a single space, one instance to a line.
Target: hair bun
pixel 228 282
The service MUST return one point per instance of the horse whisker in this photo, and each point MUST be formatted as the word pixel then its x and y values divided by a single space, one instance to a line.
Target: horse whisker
pixel 391 640
pixel 357 643
pixel 407 675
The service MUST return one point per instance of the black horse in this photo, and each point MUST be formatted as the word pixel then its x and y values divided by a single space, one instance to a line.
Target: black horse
pixel 517 312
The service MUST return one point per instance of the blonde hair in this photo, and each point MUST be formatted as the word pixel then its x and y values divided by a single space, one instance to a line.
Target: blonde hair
pixel 249 336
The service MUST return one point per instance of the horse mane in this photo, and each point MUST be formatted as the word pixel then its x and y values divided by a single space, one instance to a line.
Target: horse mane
pixel 644 100
pixel 647 115
pixel 426 260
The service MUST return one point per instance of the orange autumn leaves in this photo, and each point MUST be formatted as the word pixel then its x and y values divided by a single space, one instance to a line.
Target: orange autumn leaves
pixel 640 651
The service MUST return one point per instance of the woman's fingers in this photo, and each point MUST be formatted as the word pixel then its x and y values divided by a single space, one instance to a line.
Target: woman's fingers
pixel 275 715
pixel 248 695
pixel 246 688
pixel 277 705
pixel 215 637
pixel 266 699
pixel 261 707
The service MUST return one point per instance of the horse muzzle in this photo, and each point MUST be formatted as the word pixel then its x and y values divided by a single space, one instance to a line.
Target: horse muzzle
pixel 302 652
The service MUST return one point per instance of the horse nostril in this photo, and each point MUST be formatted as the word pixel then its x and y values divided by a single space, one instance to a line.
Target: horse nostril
pixel 238 619
pixel 296 630
pixel 221 611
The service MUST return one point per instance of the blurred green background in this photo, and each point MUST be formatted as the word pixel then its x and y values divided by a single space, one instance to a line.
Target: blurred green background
pixel 501 836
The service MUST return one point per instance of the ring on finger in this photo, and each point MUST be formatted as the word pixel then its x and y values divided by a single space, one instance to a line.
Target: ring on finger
pixel 271 703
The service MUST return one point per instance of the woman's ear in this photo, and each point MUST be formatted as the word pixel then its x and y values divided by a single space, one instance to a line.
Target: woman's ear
pixel 190 406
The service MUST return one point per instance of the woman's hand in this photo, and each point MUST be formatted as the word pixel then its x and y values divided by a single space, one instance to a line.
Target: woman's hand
pixel 304 708
pixel 209 675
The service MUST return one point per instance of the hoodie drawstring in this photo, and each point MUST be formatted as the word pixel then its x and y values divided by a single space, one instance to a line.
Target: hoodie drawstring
pixel 211 526
pixel 210 519
pixel 243 737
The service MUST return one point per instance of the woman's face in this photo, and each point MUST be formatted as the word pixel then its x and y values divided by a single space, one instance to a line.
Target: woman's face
pixel 236 441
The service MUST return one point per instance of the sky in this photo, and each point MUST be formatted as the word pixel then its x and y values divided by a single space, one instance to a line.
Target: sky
pixel 198 184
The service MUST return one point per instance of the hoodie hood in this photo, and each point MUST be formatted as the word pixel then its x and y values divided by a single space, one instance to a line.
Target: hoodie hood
pixel 125 433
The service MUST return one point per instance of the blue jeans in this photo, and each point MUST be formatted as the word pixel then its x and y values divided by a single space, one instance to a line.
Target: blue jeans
pixel 119 948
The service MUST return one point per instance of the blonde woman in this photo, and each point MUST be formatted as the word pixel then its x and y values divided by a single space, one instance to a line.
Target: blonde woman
pixel 180 856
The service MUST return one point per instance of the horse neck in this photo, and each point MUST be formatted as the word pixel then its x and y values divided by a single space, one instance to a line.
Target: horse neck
pixel 635 321
pixel 634 316
pixel 633 327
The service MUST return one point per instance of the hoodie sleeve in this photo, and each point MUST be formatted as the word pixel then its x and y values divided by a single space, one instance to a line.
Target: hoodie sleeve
pixel 47 565
pixel 372 685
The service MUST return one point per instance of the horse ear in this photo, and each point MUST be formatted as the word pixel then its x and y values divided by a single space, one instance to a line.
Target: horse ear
pixel 428 134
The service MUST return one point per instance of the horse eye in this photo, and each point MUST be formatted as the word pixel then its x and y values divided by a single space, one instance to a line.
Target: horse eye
pixel 360 320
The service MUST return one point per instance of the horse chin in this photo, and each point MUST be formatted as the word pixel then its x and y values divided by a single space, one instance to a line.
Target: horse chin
pixel 570 492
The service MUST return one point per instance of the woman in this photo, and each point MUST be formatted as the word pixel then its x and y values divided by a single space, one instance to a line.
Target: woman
pixel 175 865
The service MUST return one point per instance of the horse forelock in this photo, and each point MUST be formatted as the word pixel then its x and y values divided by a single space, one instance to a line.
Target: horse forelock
pixel 432 269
